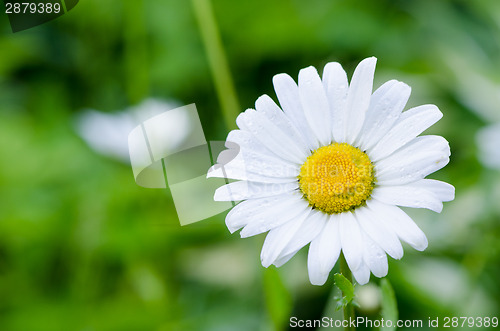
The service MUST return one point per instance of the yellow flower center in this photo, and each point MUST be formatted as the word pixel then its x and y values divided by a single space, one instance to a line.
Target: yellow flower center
pixel 337 178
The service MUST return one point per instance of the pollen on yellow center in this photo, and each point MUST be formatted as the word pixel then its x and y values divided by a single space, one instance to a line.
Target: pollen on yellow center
pixel 337 178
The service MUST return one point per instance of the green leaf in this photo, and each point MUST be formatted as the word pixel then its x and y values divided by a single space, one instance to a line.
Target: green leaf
pixel 347 289
pixel 278 298
pixel 389 304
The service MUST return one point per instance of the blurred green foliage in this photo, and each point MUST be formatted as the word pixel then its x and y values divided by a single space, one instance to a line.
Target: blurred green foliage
pixel 82 247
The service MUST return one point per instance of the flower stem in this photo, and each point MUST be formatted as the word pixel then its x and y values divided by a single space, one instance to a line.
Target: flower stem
pixel 136 52
pixel 349 309
pixel 217 61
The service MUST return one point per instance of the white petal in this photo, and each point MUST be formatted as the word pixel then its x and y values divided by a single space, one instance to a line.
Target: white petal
pixel 275 215
pixel 244 140
pixel 250 210
pixel 358 97
pixel 278 238
pixel 287 92
pixel 240 174
pixel 309 229
pixel 410 124
pixel 336 87
pixel 315 105
pixel 247 159
pixel 377 102
pixel 374 256
pixel 324 251
pixel 265 165
pixel 242 190
pixel 401 223
pixel 419 158
pixel 229 154
pixel 386 106
pixel 245 153
pixel 272 137
pixel 443 191
pixel 430 143
pixel 385 237
pixel 408 195
pixel 351 240
pixel 265 172
pixel 282 259
pixel 362 274
pixel 267 106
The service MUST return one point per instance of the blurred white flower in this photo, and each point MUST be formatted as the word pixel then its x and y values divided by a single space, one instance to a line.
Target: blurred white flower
pixel 331 169
pixel 368 297
pixel 448 283
pixel 488 142
pixel 107 133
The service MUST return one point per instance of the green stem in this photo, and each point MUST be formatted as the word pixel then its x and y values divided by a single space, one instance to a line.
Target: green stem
pixel 349 309
pixel 136 52
pixel 217 61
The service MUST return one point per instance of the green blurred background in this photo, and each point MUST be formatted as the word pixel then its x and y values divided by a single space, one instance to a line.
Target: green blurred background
pixel 82 247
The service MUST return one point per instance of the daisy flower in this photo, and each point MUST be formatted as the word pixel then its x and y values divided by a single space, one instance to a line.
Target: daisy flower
pixel 330 168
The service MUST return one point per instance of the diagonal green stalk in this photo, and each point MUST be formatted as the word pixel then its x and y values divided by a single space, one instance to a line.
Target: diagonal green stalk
pixel 217 61
pixel 135 62
pixel 349 309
